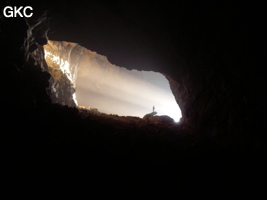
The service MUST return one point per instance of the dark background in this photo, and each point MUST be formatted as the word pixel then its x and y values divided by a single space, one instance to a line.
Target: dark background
pixel 213 50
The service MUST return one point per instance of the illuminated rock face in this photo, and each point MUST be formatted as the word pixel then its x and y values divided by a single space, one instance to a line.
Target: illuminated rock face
pixel 101 85
pixel 62 59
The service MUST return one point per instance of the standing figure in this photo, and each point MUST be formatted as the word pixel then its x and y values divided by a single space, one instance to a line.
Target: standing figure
pixel 153 108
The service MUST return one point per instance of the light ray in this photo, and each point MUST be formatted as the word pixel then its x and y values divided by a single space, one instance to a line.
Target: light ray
pixel 112 89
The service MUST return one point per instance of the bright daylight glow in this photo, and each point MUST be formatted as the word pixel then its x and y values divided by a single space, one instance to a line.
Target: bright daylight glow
pixel 115 90
pixel 63 64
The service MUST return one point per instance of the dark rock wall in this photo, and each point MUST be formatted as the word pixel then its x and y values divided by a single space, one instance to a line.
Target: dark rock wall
pixel 213 60
pixel 24 82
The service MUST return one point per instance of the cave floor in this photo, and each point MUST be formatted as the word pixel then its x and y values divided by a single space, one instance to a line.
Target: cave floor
pixel 68 152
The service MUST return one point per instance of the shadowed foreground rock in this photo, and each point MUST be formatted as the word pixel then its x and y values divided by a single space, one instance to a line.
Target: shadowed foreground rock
pixel 151 117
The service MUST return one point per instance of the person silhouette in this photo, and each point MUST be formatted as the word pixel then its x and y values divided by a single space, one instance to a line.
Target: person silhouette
pixel 153 108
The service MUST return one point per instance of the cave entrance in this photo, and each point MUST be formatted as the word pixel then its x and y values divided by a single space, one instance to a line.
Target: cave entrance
pixel 108 88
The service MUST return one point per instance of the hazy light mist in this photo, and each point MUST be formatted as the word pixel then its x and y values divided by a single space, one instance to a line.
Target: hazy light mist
pixel 109 88
pixel 116 90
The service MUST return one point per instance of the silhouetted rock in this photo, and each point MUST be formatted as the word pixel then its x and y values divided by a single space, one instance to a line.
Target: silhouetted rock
pixel 162 119
pixel 149 115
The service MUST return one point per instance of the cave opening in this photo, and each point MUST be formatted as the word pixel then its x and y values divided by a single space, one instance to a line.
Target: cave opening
pixel 86 79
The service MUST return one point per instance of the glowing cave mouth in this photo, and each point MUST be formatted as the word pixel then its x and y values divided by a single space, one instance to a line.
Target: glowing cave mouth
pixel 109 88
